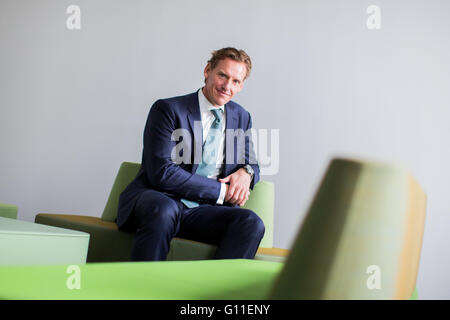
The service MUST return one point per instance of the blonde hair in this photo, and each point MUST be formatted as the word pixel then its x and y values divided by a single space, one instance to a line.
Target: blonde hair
pixel 232 53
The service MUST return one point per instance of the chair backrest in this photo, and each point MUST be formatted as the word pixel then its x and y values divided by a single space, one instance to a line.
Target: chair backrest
pixel 261 200
pixel 361 237
pixel 8 211
pixel 127 173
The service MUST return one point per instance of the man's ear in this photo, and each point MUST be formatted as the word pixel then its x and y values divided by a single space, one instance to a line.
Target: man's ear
pixel 206 71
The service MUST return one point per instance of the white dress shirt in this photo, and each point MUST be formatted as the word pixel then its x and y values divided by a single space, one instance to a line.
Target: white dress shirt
pixel 207 119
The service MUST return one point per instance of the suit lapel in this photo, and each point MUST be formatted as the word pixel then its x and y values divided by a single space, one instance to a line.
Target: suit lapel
pixel 232 125
pixel 195 123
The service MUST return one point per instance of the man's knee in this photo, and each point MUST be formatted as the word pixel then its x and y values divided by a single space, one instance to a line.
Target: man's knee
pixel 156 211
pixel 253 222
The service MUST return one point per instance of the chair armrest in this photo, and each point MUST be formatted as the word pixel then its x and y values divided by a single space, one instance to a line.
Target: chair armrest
pixel 106 244
pixel 80 220
pixel 272 254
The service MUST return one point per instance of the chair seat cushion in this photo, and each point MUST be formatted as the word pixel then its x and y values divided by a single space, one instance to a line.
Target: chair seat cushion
pixel 108 244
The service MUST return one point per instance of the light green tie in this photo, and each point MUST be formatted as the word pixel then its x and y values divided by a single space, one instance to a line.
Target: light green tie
pixel 210 148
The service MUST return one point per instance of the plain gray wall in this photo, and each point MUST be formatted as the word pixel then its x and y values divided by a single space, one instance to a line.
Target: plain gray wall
pixel 73 103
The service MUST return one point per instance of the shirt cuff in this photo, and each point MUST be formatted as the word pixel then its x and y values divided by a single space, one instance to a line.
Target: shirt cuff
pixel 223 191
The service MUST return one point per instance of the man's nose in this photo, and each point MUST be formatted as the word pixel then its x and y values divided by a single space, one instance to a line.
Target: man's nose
pixel 227 84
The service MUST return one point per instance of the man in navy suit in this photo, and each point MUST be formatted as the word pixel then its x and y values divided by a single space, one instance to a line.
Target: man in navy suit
pixel 177 192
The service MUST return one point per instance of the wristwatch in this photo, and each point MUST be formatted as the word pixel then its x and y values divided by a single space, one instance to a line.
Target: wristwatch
pixel 249 170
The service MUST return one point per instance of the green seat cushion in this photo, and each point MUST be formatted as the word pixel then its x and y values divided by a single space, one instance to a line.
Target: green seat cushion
pixel 172 280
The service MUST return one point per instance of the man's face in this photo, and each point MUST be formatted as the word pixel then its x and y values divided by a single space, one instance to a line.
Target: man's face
pixel 224 81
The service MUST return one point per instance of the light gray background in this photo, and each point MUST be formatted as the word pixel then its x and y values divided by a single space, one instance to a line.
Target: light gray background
pixel 73 104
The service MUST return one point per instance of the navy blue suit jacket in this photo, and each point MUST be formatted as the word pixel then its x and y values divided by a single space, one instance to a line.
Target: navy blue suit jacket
pixel 159 171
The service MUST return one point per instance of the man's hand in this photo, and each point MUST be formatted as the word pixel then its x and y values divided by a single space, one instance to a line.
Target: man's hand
pixel 238 188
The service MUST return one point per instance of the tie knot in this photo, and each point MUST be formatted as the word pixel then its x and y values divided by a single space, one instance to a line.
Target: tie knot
pixel 217 112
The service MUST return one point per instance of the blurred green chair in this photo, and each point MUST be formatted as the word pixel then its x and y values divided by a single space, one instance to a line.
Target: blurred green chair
pixel 8 211
pixel 361 238
pixel 108 244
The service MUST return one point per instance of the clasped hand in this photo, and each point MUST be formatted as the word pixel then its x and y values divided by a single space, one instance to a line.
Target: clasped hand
pixel 238 187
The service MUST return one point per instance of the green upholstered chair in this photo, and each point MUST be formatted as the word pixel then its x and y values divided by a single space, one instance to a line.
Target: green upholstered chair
pixel 363 214
pixel 8 211
pixel 108 244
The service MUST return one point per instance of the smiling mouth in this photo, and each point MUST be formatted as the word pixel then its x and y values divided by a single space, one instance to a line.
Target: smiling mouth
pixel 222 93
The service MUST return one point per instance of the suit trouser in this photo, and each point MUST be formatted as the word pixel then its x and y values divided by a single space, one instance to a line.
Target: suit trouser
pixel 158 218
